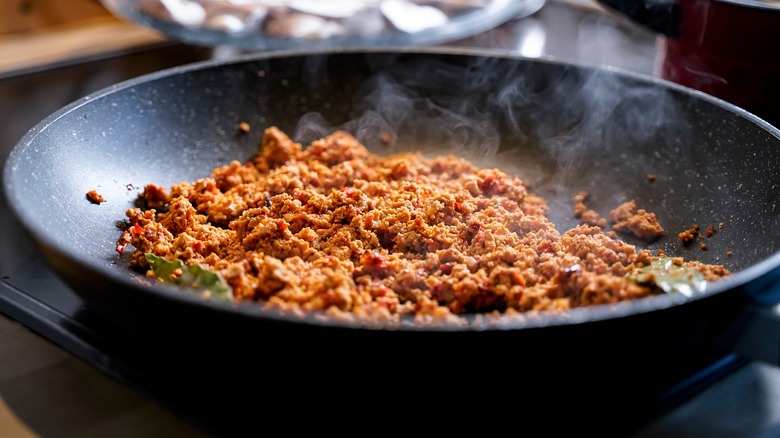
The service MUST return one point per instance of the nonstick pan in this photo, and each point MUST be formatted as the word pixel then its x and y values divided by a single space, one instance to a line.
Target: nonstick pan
pixel 562 127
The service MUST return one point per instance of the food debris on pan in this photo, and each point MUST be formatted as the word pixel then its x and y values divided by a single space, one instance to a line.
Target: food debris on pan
pixel 332 227
pixel 95 197
pixel 586 214
pixel 643 224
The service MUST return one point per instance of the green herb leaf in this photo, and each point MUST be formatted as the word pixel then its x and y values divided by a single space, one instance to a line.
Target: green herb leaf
pixel 194 276
pixel 670 277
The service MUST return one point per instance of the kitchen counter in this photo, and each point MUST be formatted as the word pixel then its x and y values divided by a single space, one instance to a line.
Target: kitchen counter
pixel 53 384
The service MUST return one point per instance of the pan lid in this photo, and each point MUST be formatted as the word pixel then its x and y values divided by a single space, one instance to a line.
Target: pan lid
pixel 314 24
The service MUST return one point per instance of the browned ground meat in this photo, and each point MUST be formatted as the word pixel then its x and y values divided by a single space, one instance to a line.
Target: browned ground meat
pixel 585 214
pixel 95 197
pixel 334 227
pixel 641 223
pixel 689 235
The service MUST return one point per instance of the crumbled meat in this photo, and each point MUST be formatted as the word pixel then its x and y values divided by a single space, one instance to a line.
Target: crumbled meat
pixel 95 197
pixel 639 222
pixel 277 149
pixel 689 235
pixel 585 214
pixel 155 196
pixel 336 228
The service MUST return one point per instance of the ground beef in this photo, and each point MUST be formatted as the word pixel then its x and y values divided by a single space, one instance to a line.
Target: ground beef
pixel 585 214
pixel 95 197
pixel 689 235
pixel 628 219
pixel 336 228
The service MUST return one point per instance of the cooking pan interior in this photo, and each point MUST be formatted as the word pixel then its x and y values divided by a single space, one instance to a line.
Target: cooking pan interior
pixel 563 128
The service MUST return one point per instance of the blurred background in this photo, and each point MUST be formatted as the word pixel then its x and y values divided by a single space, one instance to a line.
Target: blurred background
pixel 40 33
pixel 36 33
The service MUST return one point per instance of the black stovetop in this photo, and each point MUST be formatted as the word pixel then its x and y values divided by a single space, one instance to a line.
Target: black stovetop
pixel 32 295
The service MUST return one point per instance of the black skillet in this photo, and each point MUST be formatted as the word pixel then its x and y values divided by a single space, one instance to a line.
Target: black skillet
pixel 562 127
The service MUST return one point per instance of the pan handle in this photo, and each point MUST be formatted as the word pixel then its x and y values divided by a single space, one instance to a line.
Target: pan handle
pixel 662 16
pixel 755 334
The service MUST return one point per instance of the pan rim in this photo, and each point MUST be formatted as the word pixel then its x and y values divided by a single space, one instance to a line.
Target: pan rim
pixel 474 322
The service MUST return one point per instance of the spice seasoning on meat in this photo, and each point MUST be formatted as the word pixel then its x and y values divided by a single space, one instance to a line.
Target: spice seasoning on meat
pixel 333 227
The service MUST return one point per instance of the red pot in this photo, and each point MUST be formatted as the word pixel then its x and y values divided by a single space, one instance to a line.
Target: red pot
pixel 726 48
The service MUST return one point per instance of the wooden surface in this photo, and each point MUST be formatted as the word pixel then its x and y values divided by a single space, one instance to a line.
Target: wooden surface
pixel 70 42
pixel 31 16
pixel 47 392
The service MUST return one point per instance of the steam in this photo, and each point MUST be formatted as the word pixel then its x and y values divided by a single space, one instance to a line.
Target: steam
pixel 417 103
pixel 557 126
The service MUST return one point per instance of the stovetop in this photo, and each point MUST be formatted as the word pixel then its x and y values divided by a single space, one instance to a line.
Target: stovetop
pixel 32 295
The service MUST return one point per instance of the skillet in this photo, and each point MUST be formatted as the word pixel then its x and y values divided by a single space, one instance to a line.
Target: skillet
pixel 563 127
